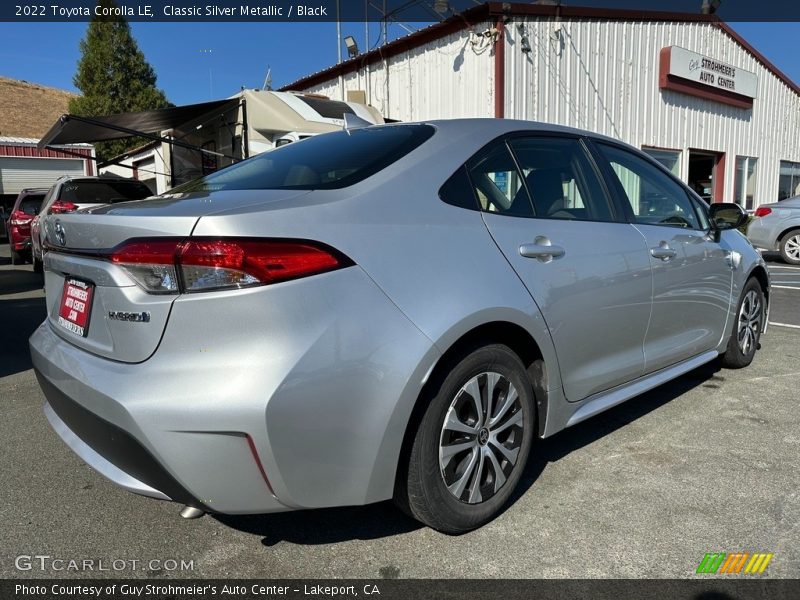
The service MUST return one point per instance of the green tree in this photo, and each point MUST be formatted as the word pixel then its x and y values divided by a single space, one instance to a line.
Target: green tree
pixel 114 77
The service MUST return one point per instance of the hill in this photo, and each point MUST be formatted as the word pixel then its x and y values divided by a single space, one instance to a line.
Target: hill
pixel 29 109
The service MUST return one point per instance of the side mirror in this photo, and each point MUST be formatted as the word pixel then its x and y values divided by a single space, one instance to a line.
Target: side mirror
pixel 726 215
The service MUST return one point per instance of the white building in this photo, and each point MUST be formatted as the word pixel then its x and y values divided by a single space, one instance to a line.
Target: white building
pixel 686 88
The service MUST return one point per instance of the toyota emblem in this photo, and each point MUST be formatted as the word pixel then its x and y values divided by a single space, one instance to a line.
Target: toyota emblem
pixel 61 237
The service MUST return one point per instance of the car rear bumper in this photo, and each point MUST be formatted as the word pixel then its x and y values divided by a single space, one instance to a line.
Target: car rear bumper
pixel 20 244
pixel 249 413
pixel 761 235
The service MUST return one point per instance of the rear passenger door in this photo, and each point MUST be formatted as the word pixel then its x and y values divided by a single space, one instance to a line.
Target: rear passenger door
pixel 549 213
pixel 692 274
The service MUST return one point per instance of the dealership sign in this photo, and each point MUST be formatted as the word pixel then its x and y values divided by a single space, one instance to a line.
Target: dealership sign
pixel 705 76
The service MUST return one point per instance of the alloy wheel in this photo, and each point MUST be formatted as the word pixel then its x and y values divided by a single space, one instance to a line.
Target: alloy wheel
pixel 749 322
pixel 481 437
pixel 792 247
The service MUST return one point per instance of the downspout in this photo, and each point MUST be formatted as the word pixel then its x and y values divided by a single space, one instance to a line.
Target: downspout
pixel 500 69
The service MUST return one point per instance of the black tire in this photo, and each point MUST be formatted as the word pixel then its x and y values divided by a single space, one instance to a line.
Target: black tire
pixel 422 491
pixel 739 354
pixel 789 247
pixel 38 267
pixel 16 257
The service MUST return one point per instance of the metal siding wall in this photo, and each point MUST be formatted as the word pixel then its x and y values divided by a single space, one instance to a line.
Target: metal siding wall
pixel 18 173
pixel 439 80
pixel 603 76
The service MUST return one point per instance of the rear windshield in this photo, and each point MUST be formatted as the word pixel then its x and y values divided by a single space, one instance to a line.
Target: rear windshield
pixel 31 204
pixel 103 192
pixel 327 161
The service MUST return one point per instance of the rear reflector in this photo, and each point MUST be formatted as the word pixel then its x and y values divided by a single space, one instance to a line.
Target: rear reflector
pixel 762 211
pixel 169 266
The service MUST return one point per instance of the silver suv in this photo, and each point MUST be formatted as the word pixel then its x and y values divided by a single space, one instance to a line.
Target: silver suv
pixel 396 311
pixel 70 193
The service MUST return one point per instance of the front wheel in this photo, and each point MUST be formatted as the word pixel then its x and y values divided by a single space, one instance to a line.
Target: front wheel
pixel 38 267
pixel 747 327
pixel 472 444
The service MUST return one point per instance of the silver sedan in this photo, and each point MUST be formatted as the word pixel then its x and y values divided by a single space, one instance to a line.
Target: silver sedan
pixel 395 311
pixel 777 227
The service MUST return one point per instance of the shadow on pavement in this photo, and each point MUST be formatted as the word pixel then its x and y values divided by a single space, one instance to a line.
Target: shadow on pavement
pixel 18 280
pixel 591 430
pixel 773 257
pixel 325 526
pixel 328 526
pixel 18 319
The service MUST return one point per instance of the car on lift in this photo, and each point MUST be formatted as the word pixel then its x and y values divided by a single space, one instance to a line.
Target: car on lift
pixel 776 226
pixel 395 311
pixel 18 225
pixel 74 193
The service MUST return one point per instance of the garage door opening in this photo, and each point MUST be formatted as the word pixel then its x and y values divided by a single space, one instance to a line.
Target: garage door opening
pixel 706 174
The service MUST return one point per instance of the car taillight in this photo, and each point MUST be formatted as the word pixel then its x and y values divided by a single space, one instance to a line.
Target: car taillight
pixel 62 206
pixel 20 218
pixel 170 266
pixel 762 211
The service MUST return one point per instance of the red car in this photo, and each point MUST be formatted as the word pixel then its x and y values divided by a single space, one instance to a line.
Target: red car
pixel 25 207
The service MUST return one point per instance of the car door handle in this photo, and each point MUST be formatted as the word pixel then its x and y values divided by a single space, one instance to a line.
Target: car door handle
pixel 663 251
pixel 541 249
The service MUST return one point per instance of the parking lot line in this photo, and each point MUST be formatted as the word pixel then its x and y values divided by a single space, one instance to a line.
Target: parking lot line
pixel 784 325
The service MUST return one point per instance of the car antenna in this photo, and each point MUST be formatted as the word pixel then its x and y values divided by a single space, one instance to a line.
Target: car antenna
pixel 352 122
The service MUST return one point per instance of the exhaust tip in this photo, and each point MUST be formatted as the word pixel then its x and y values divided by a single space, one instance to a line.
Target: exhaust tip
pixel 190 512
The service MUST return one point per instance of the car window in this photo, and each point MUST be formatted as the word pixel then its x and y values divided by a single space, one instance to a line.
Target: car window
pixel 97 191
pixel 497 183
pixel 31 204
pixel 654 197
pixel 560 179
pixel 701 209
pixel 457 190
pixel 328 161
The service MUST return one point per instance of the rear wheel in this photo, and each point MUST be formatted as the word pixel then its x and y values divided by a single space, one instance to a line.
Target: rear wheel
pixel 747 327
pixel 38 267
pixel 472 443
pixel 790 247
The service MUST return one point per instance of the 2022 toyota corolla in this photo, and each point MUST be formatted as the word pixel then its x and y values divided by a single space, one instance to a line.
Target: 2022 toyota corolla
pixel 388 312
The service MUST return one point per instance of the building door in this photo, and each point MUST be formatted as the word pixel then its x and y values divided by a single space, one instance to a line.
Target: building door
pixel 706 174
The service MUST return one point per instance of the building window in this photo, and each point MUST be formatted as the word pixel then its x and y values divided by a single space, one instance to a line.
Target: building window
pixel 744 187
pixel 789 183
pixel 671 159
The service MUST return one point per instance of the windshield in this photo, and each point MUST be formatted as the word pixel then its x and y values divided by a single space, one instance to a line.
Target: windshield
pixel 327 161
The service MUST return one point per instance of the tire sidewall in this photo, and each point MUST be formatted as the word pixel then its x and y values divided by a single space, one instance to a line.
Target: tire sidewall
pixel 784 255
pixel 734 354
pixel 463 516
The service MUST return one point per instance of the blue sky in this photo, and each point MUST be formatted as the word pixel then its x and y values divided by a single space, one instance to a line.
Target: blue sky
pixel 240 53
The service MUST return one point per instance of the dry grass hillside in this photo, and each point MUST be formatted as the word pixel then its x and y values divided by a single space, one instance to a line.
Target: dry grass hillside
pixel 28 109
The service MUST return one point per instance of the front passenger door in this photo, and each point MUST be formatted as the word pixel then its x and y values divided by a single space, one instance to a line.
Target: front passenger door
pixel 692 274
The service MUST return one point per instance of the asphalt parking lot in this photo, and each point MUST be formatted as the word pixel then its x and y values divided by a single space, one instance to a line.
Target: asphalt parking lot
pixel 707 463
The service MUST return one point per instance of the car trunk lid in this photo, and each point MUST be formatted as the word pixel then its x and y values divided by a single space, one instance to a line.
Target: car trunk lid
pixel 94 303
